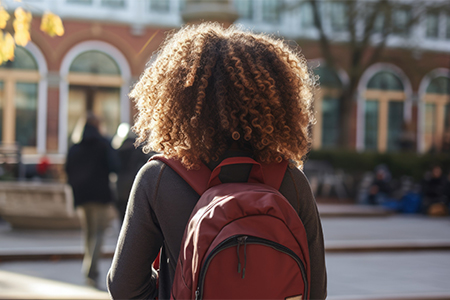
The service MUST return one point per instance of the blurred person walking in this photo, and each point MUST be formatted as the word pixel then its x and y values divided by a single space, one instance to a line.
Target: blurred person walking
pixel 131 159
pixel 88 166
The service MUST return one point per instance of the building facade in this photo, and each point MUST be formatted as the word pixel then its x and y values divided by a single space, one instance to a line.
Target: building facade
pixel 52 82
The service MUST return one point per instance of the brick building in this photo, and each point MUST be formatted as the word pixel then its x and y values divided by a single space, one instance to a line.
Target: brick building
pixel 52 82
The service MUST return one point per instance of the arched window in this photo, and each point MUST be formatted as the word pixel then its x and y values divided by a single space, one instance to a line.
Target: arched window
pixel 328 78
pixel 326 130
pixel 437 112
pixel 94 85
pixel 384 108
pixel 19 100
pixel 385 81
pixel 439 85
pixel 94 62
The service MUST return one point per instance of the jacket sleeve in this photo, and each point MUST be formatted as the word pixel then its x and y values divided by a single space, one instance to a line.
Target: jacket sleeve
pixel 113 159
pixel 308 213
pixel 131 275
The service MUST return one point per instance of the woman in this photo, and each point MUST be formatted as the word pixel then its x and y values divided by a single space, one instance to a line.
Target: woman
pixel 213 93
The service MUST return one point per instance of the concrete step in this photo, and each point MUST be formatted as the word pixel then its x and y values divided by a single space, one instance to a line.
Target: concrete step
pixel 386 245
pixel 48 253
pixel 59 253
pixel 391 233
pixel 351 210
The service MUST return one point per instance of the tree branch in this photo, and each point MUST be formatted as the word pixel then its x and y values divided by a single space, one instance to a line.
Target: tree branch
pixel 387 30
pixel 352 22
pixel 324 41
pixel 380 6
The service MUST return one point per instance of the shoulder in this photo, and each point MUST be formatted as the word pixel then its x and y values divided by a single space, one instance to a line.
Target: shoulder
pixel 297 176
pixel 151 169
pixel 156 172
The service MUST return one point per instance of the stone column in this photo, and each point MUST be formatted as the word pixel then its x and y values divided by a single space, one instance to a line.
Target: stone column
pixel 197 11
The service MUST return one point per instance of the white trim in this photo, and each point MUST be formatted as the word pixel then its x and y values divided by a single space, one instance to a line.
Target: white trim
pixel 440 72
pixel 42 97
pixel 362 88
pixel 125 73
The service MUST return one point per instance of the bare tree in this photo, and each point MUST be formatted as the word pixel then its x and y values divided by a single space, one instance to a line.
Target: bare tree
pixel 369 24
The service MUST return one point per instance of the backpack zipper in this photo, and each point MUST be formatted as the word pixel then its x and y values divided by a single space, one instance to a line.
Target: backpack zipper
pixel 244 239
pixel 225 244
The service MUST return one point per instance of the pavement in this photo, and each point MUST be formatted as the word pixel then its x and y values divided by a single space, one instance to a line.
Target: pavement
pixel 371 254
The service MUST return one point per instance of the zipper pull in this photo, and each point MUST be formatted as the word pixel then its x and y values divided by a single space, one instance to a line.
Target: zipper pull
pixel 238 256
pixel 241 241
pixel 245 258
pixel 197 294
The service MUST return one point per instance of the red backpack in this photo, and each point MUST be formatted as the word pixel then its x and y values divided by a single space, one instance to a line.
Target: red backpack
pixel 243 240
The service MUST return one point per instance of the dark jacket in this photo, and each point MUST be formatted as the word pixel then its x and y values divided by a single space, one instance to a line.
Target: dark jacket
pixel 131 160
pixel 434 188
pixel 158 210
pixel 88 166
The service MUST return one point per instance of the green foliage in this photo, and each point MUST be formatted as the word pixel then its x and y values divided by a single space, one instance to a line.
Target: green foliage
pixel 400 164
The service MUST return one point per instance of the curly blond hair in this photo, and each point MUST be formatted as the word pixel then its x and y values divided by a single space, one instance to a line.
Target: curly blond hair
pixel 211 86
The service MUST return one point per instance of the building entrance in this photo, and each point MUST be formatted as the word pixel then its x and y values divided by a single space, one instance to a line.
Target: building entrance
pixel 102 101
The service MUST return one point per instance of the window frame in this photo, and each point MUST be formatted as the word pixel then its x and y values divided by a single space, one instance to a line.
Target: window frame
pixel 268 15
pixel 336 24
pixel 10 77
pixel 440 101
pixel 427 16
pixel 38 76
pixel 401 30
pixel 384 97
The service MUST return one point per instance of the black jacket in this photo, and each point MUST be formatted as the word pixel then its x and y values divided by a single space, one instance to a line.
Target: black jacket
pixel 131 160
pixel 88 166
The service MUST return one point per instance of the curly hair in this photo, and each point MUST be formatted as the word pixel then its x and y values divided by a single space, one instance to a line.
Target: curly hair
pixel 211 86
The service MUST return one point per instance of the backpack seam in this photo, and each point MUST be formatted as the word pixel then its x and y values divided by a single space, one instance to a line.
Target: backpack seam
pixel 296 191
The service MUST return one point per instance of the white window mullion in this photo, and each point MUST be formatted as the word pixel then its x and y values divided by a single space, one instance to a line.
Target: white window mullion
pixel 442 25
pixel 42 116
pixel 258 13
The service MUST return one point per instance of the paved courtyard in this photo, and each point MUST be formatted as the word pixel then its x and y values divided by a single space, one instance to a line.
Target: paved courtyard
pixel 358 262
pixel 418 275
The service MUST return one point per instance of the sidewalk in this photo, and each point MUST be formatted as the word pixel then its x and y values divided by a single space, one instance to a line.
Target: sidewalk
pixel 360 276
pixel 355 232
pixel 389 233
pixel 21 244
pixel 18 286
pixel 378 271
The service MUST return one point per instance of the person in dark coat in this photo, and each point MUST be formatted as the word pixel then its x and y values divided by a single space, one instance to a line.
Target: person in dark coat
pixel 88 166
pixel 380 189
pixel 433 188
pixel 447 191
pixel 131 160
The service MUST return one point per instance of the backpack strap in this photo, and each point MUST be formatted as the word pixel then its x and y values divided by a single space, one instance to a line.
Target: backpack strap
pixel 274 173
pixel 200 180
pixel 197 179
pixel 271 174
